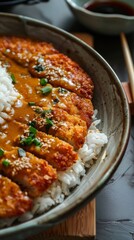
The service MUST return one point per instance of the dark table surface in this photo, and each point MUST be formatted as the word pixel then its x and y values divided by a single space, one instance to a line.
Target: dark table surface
pixel 115 202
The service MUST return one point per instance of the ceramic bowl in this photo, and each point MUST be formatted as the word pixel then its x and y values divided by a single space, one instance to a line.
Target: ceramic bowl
pixel 110 24
pixel 115 119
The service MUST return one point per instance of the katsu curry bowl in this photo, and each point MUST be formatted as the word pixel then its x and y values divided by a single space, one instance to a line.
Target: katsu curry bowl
pixel 64 125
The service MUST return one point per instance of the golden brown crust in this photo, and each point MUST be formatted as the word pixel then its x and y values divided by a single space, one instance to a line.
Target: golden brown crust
pixel 45 61
pixel 32 173
pixel 59 123
pixel 61 71
pixel 56 152
pixel 22 49
pixel 70 102
pixel 65 113
pixel 13 202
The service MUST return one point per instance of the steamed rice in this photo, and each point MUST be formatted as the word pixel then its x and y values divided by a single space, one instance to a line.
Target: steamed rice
pixel 8 95
pixel 67 180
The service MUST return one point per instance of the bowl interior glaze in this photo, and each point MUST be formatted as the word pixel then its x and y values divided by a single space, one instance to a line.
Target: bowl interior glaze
pixel 115 119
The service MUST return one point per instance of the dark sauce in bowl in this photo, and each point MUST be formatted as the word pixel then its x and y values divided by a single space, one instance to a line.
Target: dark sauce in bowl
pixel 110 7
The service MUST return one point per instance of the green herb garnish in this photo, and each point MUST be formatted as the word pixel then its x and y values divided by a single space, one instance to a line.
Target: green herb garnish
pixel 21 152
pixel 38 110
pixel 39 68
pixel 13 78
pixel 32 131
pixel 49 123
pixel 1 152
pixel 5 163
pixel 26 141
pixel 37 142
pixel 32 123
pixel 45 112
pixel 31 103
pixel 46 90
pixel 43 81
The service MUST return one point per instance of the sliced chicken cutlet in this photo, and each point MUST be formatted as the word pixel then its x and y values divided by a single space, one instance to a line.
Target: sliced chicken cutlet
pixel 63 99
pixel 34 175
pixel 61 71
pixel 21 50
pixel 56 152
pixel 56 97
pixel 68 101
pixel 55 122
pixel 13 202
pixel 59 123
pixel 45 61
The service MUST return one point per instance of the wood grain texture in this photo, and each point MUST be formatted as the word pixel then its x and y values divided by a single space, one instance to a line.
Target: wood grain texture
pixel 127 89
pixel 82 224
pixel 84 37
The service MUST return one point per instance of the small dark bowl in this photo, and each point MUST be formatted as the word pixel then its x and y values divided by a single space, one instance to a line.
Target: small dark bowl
pixel 109 24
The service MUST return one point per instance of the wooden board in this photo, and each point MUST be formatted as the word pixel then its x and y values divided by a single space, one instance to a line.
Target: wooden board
pixel 82 224
pixel 126 87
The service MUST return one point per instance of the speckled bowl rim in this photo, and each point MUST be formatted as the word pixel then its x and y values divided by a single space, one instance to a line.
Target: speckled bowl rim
pixel 98 15
pixel 39 222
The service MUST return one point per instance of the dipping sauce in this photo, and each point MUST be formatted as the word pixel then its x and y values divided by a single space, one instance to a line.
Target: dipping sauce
pixel 110 7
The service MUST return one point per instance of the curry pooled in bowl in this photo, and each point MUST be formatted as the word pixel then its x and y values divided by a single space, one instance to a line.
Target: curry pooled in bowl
pixel 59 140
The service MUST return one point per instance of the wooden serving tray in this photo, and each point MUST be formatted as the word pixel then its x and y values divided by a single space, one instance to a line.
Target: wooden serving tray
pixel 82 224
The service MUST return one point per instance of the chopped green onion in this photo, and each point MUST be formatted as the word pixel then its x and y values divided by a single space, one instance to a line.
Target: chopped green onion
pixel 26 141
pixel 13 78
pixel 45 112
pixel 1 152
pixel 39 68
pixel 5 163
pixel 38 110
pixel 32 131
pixel 43 81
pixel 33 124
pixel 46 90
pixel 37 142
pixel 49 123
pixel 29 140
pixel 31 103
pixel 21 152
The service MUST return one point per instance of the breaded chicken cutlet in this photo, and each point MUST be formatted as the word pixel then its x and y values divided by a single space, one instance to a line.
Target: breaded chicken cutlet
pixel 23 49
pixel 44 61
pixel 56 122
pixel 34 175
pixel 59 123
pixel 13 202
pixel 49 121
pixel 56 152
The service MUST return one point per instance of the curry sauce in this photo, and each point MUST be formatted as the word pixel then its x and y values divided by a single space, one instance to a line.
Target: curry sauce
pixel 50 120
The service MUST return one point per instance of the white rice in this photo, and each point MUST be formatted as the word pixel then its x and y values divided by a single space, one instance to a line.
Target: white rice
pixel 8 96
pixel 67 180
